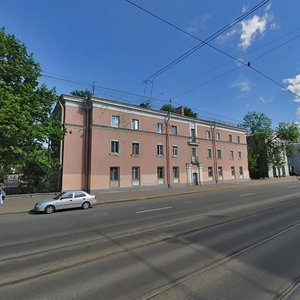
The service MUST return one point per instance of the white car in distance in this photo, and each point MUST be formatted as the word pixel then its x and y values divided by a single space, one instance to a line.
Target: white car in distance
pixel 66 200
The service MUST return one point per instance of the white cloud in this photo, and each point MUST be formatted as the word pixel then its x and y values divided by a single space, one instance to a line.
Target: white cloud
pixel 243 84
pixel 294 86
pixel 245 8
pixel 266 100
pixel 196 25
pixel 251 28
pixel 298 112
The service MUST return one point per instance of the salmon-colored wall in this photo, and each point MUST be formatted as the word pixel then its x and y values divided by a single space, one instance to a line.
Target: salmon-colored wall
pixel 102 133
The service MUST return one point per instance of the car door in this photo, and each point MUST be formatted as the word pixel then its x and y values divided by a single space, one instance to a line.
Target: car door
pixel 79 198
pixel 66 201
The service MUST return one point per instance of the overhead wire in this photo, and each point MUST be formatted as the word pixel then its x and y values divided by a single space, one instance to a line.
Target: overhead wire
pixel 238 67
pixel 248 52
pixel 203 42
pixel 152 99
pixel 248 64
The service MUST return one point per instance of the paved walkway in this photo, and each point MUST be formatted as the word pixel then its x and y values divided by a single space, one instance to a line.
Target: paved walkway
pixel 25 203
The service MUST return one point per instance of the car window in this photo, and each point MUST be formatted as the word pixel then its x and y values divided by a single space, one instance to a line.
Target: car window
pixel 67 195
pixel 79 194
pixel 58 196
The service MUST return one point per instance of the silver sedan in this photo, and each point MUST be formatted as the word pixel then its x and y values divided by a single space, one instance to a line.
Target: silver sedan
pixel 66 200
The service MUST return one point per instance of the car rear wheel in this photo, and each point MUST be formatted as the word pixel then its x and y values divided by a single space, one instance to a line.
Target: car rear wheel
pixel 86 205
pixel 49 209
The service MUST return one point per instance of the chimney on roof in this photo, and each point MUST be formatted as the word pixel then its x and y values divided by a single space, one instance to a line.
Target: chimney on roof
pixel 180 110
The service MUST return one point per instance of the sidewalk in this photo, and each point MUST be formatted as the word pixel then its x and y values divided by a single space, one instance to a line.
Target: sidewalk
pixel 25 203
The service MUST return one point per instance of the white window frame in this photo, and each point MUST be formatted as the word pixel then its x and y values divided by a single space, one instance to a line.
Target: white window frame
pixel 240 154
pixel 208 135
pixel 174 150
pixel 219 151
pixel 132 148
pixel 209 153
pixel 135 124
pixel 210 172
pixel 159 128
pixel 112 146
pixel 174 130
pixel 136 173
pixel 118 174
pixel 231 154
pixel 160 150
pixel 176 173
pixel 162 169
pixel 115 121
pixel 218 136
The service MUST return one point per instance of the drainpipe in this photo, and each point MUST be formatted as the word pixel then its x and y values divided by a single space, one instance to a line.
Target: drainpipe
pixel 87 143
pixel 62 143
pixel 213 129
pixel 167 120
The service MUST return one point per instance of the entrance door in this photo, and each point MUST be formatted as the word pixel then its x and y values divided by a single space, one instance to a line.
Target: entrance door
pixel 195 179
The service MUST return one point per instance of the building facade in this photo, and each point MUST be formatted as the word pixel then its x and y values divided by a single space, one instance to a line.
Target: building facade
pixel 294 162
pixel 114 145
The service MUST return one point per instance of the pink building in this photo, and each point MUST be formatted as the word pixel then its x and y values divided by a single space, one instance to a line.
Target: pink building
pixel 112 145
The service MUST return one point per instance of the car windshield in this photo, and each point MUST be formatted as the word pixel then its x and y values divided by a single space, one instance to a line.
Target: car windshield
pixel 59 195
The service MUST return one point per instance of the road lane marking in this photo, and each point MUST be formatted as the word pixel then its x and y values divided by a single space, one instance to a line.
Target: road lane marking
pixel 291 187
pixel 243 195
pixel 154 209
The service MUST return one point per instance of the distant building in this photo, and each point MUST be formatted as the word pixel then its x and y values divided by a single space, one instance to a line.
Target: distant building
pixel 266 169
pixel 114 145
pixel 294 162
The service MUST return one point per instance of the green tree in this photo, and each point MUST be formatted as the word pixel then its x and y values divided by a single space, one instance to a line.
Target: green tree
pixel 267 147
pixel 26 126
pixel 189 113
pixel 168 107
pixel 82 93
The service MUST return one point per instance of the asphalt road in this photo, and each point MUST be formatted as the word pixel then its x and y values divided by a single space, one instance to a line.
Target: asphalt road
pixel 228 244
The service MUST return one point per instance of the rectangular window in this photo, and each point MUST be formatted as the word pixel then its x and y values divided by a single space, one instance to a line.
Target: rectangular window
pixel 135 148
pixel 233 171
pixel 114 173
pixel 193 133
pixel 160 150
pixel 176 172
pixel 208 135
pixel 208 153
pixel 174 129
pixel 114 147
pixel 210 172
pixel 135 171
pixel 238 139
pixel 160 173
pixel 218 137
pixel 159 128
pixel 231 154
pixel 135 124
pixel 115 121
pixel 219 153
pixel 230 138
pixel 240 154
pixel 220 171
pixel 175 150
pixel 194 152
pixel 241 171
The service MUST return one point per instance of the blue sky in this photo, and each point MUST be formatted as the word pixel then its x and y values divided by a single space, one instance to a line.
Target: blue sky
pixel 119 46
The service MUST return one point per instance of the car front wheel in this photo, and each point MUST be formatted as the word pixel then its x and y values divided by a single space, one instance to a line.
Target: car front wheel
pixel 49 209
pixel 85 205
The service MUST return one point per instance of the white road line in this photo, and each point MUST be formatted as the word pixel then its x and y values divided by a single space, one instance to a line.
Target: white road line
pixel 155 209
pixel 291 187
pixel 243 195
